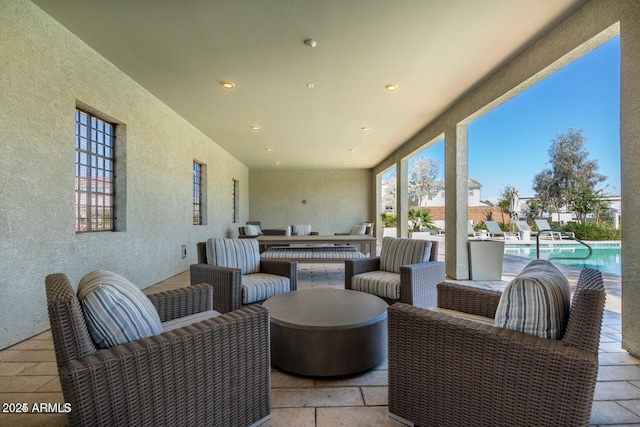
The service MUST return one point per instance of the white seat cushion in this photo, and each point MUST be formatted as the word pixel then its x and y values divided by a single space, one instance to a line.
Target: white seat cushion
pixel 260 286
pixel 115 310
pixel 380 283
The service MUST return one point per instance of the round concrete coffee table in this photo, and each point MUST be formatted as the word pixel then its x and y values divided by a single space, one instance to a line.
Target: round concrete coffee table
pixel 327 332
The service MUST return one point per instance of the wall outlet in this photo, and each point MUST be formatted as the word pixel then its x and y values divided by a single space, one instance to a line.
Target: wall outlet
pixel 184 251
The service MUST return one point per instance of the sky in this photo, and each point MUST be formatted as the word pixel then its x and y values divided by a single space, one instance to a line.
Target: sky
pixel 509 145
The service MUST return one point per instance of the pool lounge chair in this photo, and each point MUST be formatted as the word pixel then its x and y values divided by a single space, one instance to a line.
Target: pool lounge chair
pixel 495 231
pixel 545 230
pixel 524 228
pixel 474 233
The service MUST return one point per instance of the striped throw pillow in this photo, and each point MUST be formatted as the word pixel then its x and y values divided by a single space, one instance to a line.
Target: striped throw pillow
pixel 396 252
pixel 115 310
pixel 536 302
pixel 234 253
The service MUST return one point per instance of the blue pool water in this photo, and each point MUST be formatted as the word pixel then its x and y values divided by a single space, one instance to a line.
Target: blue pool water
pixel 606 257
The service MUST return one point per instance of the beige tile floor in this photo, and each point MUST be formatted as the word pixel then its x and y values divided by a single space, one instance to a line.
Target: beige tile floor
pixel 28 373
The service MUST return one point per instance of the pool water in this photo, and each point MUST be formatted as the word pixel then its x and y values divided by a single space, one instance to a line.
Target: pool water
pixel 606 257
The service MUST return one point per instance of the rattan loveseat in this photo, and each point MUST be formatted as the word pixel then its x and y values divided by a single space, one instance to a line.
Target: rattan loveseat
pixel 212 373
pixel 450 371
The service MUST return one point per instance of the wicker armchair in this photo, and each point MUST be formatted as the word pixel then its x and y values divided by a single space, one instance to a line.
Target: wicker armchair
pixel 227 282
pixel 449 371
pixel 216 372
pixel 417 282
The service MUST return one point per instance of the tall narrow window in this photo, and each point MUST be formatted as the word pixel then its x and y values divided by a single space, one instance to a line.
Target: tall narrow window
pixel 235 195
pixel 95 173
pixel 197 193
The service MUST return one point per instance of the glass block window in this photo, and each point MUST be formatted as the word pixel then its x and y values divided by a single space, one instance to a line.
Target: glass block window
pixel 197 193
pixel 95 173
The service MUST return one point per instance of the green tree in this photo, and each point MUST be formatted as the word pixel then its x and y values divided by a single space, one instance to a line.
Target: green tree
pixel 587 200
pixel 571 173
pixel 388 190
pixel 422 180
pixel 504 201
pixel 532 210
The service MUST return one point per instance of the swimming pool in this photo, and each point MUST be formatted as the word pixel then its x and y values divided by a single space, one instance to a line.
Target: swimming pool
pixel 606 257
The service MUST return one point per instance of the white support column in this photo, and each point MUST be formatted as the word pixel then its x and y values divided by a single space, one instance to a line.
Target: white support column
pixel 630 170
pixel 402 208
pixel 456 202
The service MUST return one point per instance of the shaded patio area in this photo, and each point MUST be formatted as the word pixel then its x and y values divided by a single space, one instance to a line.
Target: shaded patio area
pixel 28 370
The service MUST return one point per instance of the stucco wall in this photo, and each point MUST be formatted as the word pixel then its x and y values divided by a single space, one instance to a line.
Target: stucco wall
pixel 335 199
pixel 44 71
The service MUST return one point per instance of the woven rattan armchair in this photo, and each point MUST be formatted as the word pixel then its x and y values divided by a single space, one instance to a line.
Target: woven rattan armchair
pixel 417 281
pixel 212 373
pixel 449 371
pixel 227 282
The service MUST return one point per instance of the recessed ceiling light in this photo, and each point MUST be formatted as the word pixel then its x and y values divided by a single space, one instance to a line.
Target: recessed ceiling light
pixel 344 163
pixel 254 127
pixel 311 85
pixel 268 149
pixel 277 163
pixel 352 150
pixel 227 85
pixel 365 129
pixel 391 87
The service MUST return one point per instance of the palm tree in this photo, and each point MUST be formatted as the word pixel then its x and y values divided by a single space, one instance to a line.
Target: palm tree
pixel 420 217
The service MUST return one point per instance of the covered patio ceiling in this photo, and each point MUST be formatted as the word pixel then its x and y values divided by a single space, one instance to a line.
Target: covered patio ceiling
pixel 316 107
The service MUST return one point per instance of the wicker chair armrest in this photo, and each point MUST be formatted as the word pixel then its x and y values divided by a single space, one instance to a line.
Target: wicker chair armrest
pixel 226 356
pixel 353 267
pixel 226 282
pixel 182 302
pixel 418 283
pixel 481 302
pixel 585 322
pixel 494 376
pixel 281 268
